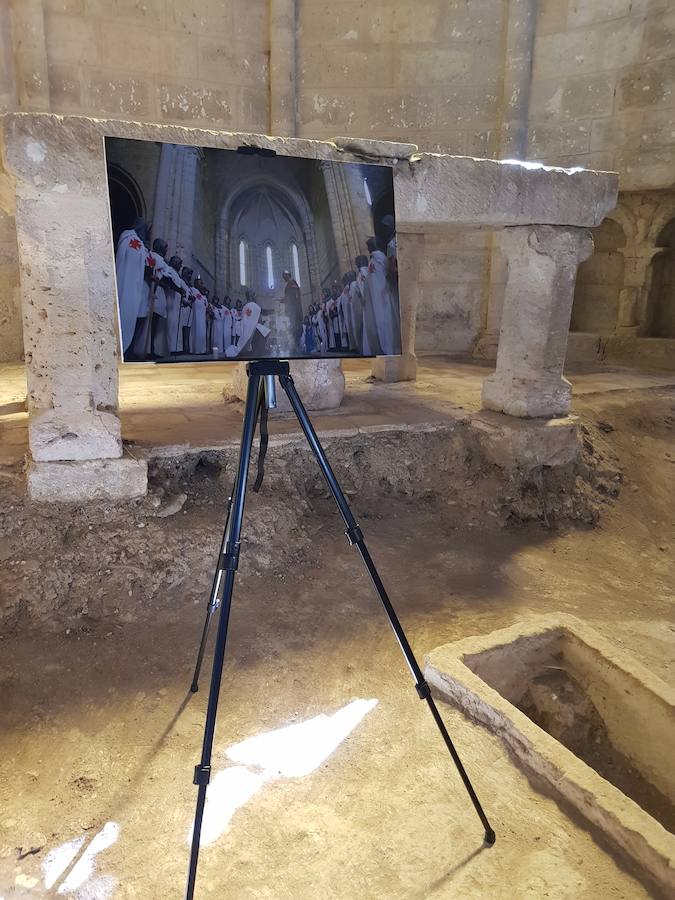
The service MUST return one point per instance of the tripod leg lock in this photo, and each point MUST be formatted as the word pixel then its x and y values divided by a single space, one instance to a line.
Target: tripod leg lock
pixel 202 774
pixel 230 558
pixel 354 534
pixel 423 690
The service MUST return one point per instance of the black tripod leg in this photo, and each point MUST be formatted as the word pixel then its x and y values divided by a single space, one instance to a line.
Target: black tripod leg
pixel 355 536
pixel 227 566
pixel 215 586
pixel 212 604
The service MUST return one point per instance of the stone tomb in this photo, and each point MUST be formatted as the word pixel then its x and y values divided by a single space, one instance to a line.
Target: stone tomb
pixel 55 186
pixel 583 716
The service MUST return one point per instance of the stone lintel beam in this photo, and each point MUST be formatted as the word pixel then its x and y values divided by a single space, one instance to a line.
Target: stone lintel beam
pixel 431 189
pixel 434 190
pixel 542 266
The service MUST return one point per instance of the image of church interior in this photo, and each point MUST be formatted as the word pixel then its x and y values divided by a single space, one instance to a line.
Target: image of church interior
pixel 239 221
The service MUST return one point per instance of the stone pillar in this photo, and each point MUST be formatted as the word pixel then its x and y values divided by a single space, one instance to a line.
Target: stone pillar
pixel 404 367
pixel 30 55
pixel 69 312
pixel 634 315
pixel 346 241
pixel 542 266
pixel 175 193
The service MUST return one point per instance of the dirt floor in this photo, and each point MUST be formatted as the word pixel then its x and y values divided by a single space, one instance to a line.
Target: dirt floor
pixel 99 735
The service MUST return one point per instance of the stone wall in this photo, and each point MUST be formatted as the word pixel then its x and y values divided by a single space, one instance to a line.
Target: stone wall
pixel 603 88
pixel 160 60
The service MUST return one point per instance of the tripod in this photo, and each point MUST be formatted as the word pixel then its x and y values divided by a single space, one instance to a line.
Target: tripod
pixel 261 396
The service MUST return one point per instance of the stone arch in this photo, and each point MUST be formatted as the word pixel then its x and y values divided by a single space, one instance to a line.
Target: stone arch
pixel 660 317
pixel 291 202
pixel 126 199
pixel 600 281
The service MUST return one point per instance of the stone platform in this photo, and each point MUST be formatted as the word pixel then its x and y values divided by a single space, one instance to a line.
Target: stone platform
pixel 179 411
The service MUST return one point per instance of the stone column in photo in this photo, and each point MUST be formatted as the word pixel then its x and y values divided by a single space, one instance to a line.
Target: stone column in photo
pixel 410 248
pixel 175 203
pixel 69 308
pixel 542 266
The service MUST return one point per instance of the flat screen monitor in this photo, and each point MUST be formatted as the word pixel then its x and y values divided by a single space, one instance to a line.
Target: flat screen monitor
pixel 246 254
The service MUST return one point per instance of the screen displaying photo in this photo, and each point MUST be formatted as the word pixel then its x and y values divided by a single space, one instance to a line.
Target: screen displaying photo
pixel 243 254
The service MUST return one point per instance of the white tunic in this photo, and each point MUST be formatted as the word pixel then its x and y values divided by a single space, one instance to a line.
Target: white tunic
pixel 356 314
pixel 228 325
pixel 370 342
pixel 129 271
pixel 386 319
pixel 346 327
pixel 198 324
pixel 157 295
pixel 174 312
pixel 218 329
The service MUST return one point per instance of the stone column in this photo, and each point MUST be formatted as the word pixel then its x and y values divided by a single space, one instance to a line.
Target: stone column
pixel 175 193
pixel 634 314
pixel 404 367
pixel 346 242
pixel 542 266
pixel 69 312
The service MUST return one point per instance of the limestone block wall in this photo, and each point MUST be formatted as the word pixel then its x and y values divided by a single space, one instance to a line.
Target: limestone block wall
pixel 603 88
pixel 453 278
pixel 160 60
pixel 431 69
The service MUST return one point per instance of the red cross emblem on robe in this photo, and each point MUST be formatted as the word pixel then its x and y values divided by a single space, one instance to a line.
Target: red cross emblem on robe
pixel 135 244
pixel 248 312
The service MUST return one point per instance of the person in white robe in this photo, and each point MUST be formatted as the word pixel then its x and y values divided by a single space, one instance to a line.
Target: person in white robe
pixel 217 326
pixel 343 313
pixel 356 302
pixel 198 324
pixel 185 320
pixel 236 323
pixel 130 277
pixel 152 333
pixel 176 290
pixel 392 266
pixel 382 300
pixel 370 341
pixel 250 326
pixel 348 313
pixel 322 330
pixel 228 323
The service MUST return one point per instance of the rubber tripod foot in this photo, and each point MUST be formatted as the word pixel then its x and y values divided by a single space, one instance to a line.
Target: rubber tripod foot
pixel 490 837
pixel 194 687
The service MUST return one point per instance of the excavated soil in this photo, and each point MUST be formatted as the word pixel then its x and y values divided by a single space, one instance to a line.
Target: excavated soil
pixel 103 608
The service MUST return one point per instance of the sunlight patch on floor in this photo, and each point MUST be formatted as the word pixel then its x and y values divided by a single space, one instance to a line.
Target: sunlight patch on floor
pixel 293 751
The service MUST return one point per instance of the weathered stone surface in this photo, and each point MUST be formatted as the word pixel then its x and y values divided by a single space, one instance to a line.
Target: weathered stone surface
pixel 512 443
pixel 94 479
pixel 386 150
pixel 542 268
pixel 60 435
pixel 438 190
pixel 320 383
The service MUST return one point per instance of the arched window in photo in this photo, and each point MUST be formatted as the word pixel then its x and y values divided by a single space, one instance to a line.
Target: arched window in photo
pixel 270 267
pixel 366 191
pixel 295 259
pixel 242 263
